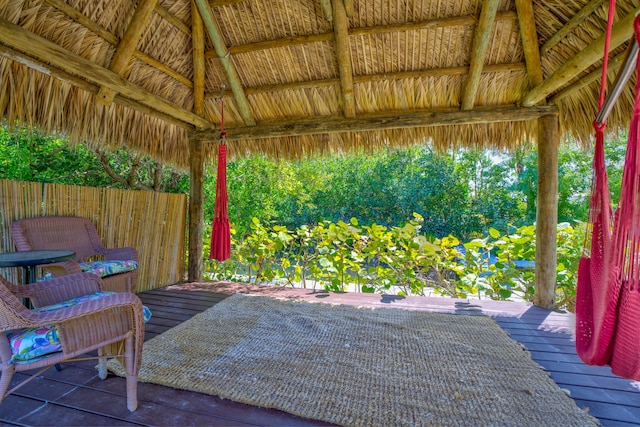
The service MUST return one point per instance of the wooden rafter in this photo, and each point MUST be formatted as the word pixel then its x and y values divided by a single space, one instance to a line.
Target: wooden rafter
pixel 348 8
pixel 387 120
pixel 112 39
pixel 613 66
pixel 454 21
pixel 527 23
pixel 343 53
pixel 21 40
pixel 223 54
pixel 569 26
pixel 620 33
pixel 218 3
pixel 127 46
pixel 197 39
pixel 327 9
pixel 79 83
pixel 172 19
pixel 367 78
pixel 481 39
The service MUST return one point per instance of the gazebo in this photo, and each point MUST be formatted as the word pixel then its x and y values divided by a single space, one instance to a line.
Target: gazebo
pixel 305 77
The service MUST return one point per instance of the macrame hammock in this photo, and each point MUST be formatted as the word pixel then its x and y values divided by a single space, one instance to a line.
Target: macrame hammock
pixel 220 233
pixel 608 288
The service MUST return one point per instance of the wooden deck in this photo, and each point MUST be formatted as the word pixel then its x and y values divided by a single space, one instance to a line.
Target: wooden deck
pixel 76 396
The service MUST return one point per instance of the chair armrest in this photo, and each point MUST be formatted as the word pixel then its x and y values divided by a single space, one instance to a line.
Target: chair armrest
pixel 121 254
pixel 58 289
pixel 87 309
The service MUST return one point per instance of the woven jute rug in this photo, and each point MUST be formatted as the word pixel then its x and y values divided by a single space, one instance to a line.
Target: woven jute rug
pixel 358 366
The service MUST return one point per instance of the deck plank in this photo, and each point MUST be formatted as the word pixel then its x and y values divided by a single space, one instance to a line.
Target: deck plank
pixel 76 396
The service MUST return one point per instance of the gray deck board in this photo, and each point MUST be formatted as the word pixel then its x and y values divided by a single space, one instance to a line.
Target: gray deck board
pixel 76 396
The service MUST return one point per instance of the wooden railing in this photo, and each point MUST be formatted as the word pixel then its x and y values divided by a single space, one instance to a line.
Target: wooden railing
pixel 154 223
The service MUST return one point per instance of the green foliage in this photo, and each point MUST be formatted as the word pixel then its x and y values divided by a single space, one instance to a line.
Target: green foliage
pixel 29 155
pixel 341 256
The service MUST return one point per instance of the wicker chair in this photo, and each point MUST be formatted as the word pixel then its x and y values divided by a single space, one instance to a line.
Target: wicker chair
pixel 78 235
pixel 111 324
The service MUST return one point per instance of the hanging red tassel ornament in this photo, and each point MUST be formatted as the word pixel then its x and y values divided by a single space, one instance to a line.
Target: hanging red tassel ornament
pixel 220 231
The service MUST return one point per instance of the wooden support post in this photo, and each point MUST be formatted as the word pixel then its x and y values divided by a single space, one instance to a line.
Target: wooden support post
pixel 547 213
pixel 196 145
pixel 196 221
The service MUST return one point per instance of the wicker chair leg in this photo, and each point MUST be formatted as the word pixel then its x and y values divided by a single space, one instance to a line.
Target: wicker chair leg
pixel 132 375
pixel 102 364
pixel 5 379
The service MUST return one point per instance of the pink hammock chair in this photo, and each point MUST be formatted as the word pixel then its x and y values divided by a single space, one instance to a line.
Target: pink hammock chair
pixel 608 288
pixel 220 229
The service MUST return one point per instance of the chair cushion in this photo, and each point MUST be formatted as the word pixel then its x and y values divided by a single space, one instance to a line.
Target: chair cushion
pixel 108 267
pixel 32 343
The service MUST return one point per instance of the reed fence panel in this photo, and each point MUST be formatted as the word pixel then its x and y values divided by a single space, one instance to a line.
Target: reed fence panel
pixel 154 223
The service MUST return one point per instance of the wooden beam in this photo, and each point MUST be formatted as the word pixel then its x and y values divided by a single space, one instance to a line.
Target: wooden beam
pixel 527 23
pixel 223 53
pixel 24 41
pixel 399 75
pixel 621 32
pixel 197 39
pixel 327 9
pixel 79 83
pixel 343 53
pixel 218 3
pixel 272 44
pixel 112 39
pixel 348 8
pixel 569 26
pixel 386 120
pixel 484 31
pixel 547 212
pixel 585 81
pixel 453 21
pixel 172 19
pixel 152 62
pixel 127 46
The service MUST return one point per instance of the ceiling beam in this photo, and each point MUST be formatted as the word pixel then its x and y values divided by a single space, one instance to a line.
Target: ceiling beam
pixel 368 78
pixel 570 25
pixel 172 19
pixel 79 83
pixel 343 53
pixel 529 36
pixel 218 3
pixel 197 39
pixel 127 46
pixel 113 40
pixel 327 9
pixel 454 21
pixel 481 39
pixel 613 66
pixel 223 54
pixel 24 41
pixel 621 32
pixel 388 120
pixel 348 8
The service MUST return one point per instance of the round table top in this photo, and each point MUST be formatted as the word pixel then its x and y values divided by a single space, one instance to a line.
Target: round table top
pixel 29 258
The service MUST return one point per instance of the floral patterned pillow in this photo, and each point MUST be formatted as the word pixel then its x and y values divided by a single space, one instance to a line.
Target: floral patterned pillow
pixel 32 343
pixel 109 267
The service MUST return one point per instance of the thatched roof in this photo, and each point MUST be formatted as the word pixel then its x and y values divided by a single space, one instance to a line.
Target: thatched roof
pixel 306 76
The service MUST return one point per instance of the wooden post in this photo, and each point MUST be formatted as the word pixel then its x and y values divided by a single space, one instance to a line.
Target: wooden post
pixel 547 213
pixel 196 221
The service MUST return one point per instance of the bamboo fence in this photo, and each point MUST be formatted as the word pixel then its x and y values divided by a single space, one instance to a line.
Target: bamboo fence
pixel 154 223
